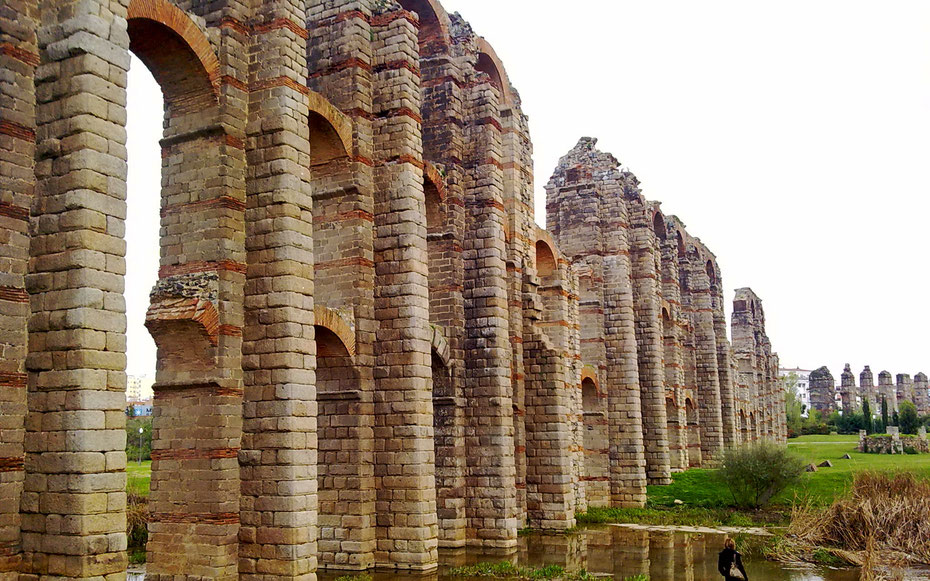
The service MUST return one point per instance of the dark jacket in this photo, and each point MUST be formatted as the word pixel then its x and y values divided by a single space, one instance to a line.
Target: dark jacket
pixel 727 556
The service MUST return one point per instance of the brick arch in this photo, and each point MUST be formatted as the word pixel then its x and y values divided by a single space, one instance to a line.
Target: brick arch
pixel 330 130
pixel 659 225
pixel 434 34
pixel 432 175
pixel 333 322
pixel 590 372
pixel 490 63
pixel 177 52
pixel 441 348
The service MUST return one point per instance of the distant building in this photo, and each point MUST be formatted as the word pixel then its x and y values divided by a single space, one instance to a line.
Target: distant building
pixel 139 388
pixel 140 408
pixel 803 386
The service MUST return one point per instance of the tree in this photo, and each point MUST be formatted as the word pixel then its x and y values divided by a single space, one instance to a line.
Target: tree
pixel 756 473
pixel 884 414
pixel 793 406
pixel 895 419
pixel 866 416
pixel 909 421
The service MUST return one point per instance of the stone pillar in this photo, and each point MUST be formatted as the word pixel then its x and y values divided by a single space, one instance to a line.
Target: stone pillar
pixel 491 475
pixel 672 353
pixel 904 388
pixel 708 383
pixel 17 184
pixel 727 383
pixel 589 219
pixel 886 390
pixel 867 388
pixel 822 390
pixel 404 452
pixel 624 415
pixel 921 399
pixel 279 442
pixel 648 325
pixel 73 506
pixel 848 391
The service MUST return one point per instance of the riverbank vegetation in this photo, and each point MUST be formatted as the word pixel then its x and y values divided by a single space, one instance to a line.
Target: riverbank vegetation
pixel 705 500
pixel 883 521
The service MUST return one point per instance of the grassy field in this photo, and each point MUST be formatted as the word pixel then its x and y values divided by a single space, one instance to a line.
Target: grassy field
pixel 707 501
pixel 139 477
pixel 700 487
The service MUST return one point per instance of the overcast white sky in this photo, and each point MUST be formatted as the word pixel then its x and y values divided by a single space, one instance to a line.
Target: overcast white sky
pixel 792 137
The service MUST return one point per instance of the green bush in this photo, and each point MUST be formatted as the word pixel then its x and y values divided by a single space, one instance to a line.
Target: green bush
pixel 909 421
pixel 756 473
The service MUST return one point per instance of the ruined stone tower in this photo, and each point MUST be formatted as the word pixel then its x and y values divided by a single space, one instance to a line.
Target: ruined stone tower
pixel 367 349
pixel 887 392
pixel 822 389
pixel 920 393
pixel 867 388
pixel 848 391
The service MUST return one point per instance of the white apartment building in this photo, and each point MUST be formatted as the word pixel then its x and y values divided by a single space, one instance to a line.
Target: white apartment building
pixel 804 391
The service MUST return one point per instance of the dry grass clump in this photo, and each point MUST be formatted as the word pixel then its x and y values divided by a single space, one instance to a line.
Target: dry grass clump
pixel 884 520
pixel 137 517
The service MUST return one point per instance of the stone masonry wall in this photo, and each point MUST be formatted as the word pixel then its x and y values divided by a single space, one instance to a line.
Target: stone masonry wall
pixel 367 348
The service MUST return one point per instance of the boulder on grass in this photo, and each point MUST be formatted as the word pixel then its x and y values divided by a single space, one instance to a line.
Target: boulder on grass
pixel 825 464
pixel 811 468
pixel 847 456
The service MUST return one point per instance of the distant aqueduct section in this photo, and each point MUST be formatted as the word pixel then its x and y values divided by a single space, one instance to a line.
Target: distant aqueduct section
pixel 367 349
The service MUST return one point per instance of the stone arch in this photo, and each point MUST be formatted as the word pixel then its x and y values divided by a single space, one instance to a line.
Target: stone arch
pixel 434 34
pixel 658 225
pixel 595 438
pixel 336 326
pixel 681 244
pixel 490 64
pixel 694 434
pixel 711 272
pixel 546 261
pixel 177 53
pixel 589 372
pixel 345 474
pixel 192 401
pixel 330 131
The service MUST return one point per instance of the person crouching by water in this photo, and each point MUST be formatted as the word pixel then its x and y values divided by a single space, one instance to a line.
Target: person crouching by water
pixel 730 563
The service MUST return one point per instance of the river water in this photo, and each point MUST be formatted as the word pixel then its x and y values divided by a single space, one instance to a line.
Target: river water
pixel 618 552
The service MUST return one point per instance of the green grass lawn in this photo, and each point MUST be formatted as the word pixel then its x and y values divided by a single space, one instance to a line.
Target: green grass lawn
pixel 139 477
pixel 700 487
pixel 708 501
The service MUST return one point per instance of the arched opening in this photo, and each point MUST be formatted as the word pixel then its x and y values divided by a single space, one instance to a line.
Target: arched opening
pixel 344 469
pixel 487 66
pixel 433 35
pixel 344 274
pixel 195 436
pixel 694 434
pixel 596 446
pixel 753 426
pixel 658 224
pixel 711 273
pixel 545 260
pixel 681 245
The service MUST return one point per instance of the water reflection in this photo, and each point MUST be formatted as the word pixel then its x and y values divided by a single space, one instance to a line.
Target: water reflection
pixel 623 552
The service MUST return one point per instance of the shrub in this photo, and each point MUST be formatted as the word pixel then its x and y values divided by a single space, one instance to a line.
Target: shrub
pixel 756 473
pixel 909 421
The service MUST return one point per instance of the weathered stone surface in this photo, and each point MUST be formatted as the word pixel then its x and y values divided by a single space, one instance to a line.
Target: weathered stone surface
pixel 367 348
